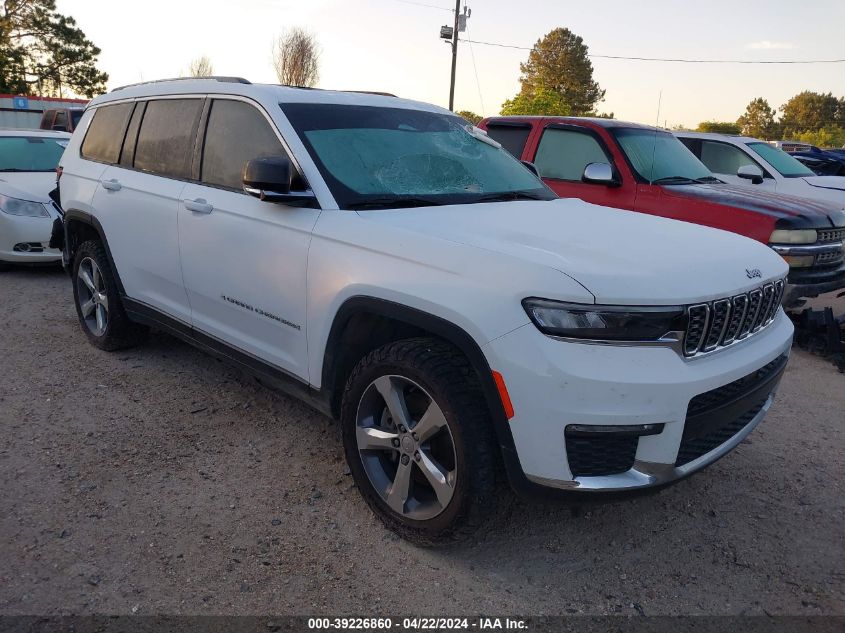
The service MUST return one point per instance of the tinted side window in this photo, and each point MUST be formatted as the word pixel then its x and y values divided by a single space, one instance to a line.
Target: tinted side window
pixel 722 158
pixel 105 134
pixel 236 133
pixel 693 145
pixel 166 139
pixel 61 120
pixel 563 154
pixel 512 137
pixel 127 154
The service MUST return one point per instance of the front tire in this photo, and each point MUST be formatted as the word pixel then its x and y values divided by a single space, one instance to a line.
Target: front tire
pixel 418 440
pixel 97 300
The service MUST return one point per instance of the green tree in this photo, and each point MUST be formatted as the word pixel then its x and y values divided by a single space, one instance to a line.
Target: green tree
pixel 718 127
pixel 470 116
pixel 810 112
pixel 542 102
pixel 559 63
pixel 44 52
pixel 830 136
pixel 758 120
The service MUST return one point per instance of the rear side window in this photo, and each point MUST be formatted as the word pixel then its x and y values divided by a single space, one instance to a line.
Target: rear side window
pixel 512 137
pixel 236 133
pixel 127 154
pixel 166 139
pixel 563 154
pixel 105 134
pixel 61 121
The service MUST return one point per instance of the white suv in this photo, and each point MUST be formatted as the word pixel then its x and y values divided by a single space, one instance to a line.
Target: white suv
pixel 750 162
pixel 406 275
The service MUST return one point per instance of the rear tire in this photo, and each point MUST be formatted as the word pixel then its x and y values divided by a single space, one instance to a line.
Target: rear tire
pixel 429 475
pixel 98 305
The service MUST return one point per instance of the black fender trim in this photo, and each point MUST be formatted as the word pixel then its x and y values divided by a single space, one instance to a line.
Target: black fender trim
pixel 74 215
pixel 467 345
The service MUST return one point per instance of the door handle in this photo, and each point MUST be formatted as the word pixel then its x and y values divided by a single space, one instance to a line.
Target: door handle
pixel 198 206
pixel 111 185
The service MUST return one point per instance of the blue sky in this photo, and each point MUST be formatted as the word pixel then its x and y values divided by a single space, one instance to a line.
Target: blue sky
pixel 393 46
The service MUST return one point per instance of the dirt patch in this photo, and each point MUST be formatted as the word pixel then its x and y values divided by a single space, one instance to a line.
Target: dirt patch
pixel 160 480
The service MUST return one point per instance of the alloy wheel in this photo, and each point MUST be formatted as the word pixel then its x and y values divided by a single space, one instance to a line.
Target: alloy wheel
pixel 406 447
pixel 93 300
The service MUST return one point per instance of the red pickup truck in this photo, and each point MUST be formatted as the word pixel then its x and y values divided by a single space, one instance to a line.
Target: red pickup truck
pixel 646 169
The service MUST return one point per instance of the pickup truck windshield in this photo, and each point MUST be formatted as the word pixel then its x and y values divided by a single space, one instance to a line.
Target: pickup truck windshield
pixel 30 153
pixel 659 157
pixel 788 166
pixel 375 157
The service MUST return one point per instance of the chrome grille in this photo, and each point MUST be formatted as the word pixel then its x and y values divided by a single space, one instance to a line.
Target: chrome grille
pixel 739 305
pixel 765 306
pixel 696 327
pixel 720 323
pixel 831 235
pixel 717 324
pixel 830 257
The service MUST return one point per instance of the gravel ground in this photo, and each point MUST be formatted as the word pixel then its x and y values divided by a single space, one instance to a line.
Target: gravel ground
pixel 159 480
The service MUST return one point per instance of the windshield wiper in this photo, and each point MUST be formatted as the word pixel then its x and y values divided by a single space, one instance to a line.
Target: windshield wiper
pixel 673 180
pixel 392 203
pixel 707 179
pixel 507 196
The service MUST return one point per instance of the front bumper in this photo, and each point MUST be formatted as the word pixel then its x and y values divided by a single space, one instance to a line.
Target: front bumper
pixel 555 384
pixel 33 232
pixel 805 284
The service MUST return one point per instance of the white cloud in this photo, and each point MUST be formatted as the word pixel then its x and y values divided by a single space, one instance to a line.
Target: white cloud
pixel 767 45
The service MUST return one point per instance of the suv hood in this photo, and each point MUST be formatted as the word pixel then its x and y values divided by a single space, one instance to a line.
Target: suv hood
pixel 826 182
pixel 621 257
pixel 791 212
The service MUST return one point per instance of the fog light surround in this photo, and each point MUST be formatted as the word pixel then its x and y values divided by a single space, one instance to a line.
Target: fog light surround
pixel 607 430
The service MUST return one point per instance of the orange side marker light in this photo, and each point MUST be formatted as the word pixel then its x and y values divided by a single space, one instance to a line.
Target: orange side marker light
pixel 503 394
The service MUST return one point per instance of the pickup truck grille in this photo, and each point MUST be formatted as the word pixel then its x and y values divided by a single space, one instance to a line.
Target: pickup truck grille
pixel 720 323
pixel 831 235
pixel 829 258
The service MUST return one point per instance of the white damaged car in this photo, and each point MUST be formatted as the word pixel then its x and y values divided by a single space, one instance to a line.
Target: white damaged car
pixel 28 161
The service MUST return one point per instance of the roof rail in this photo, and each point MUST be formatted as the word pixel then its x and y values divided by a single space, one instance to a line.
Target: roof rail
pixel 371 92
pixel 222 79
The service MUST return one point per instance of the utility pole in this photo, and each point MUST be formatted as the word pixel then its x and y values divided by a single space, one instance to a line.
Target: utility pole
pixel 454 54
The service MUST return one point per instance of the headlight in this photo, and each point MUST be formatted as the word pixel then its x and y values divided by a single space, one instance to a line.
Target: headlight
pixel 788 236
pixel 13 206
pixel 605 323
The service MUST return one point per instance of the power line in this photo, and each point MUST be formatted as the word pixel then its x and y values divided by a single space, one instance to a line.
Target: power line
pixel 475 70
pixel 678 60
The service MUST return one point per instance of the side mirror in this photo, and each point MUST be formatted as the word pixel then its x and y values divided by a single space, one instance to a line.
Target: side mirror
pixel 752 173
pixel 531 167
pixel 270 178
pixel 599 174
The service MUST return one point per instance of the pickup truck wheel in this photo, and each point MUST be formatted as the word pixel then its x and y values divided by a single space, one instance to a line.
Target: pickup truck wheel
pixel 418 440
pixel 97 300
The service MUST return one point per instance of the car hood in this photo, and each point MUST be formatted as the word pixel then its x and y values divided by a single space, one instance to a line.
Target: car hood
pixel 619 256
pixel 826 182
pixel 32 186
pixel 791 211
